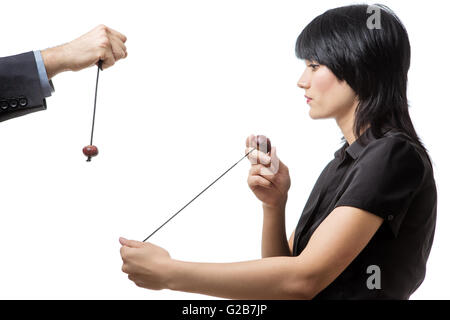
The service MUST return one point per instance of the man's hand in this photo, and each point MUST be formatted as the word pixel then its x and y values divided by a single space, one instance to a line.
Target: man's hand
pixel 146 264
pixel 101 43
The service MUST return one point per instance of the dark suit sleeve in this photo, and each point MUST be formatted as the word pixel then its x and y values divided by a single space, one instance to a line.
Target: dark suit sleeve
pixel 20 88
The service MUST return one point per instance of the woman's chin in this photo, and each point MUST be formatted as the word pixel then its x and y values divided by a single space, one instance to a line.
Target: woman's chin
pixel 314 114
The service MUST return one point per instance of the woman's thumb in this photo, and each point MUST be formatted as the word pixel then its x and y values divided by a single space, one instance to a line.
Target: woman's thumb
pixel 275 161
pixel 130 243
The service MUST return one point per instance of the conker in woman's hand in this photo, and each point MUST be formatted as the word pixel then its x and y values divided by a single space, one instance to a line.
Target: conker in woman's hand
pixel 263 144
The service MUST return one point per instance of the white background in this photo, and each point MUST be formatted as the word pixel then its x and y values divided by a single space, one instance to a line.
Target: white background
pixel 200 77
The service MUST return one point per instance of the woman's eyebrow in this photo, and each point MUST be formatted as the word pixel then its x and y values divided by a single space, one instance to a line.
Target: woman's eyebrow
pixel 307 62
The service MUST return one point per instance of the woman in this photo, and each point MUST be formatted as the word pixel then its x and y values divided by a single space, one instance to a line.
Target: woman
pixel 367 228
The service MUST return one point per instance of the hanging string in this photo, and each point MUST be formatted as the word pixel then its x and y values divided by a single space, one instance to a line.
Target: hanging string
pixel 100 63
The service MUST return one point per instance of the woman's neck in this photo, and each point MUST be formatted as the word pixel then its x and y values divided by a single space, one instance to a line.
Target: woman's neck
pixel 345 123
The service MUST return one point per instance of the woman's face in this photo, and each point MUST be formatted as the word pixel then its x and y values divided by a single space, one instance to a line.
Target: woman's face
pixel 330 98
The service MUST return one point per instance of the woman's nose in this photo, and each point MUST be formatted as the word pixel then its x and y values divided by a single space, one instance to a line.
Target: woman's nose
pixel 303 82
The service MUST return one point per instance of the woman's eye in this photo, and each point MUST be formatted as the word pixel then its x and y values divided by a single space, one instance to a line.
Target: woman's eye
pixel 314 66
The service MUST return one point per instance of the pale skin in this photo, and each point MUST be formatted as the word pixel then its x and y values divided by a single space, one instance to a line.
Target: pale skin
pixel 101 43
pixel 277 275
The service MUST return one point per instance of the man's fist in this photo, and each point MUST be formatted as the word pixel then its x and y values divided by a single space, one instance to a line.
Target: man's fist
pixel 101 43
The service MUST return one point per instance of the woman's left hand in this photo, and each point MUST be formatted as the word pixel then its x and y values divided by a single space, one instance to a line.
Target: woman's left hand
pixel 146 264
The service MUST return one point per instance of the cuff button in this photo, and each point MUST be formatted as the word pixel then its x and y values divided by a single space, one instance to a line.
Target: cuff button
pixel 4 105
pixel 13 103
pixel 23 102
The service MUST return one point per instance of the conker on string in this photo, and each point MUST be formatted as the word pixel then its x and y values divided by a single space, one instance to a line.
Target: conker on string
pixel 263 143
pixel 90 151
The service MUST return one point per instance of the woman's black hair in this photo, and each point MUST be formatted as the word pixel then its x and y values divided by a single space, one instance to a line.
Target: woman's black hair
pixel 373 58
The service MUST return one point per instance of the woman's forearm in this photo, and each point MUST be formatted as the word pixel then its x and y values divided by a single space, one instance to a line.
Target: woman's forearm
pixel 274 242
pixel 269 278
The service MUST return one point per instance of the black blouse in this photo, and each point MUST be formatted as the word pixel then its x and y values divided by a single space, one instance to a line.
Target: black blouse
pixel 390 177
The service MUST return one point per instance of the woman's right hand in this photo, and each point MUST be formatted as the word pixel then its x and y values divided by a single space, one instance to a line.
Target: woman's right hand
pixel 268 177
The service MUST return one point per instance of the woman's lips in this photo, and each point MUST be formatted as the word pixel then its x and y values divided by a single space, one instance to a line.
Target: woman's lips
pixel 308 99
